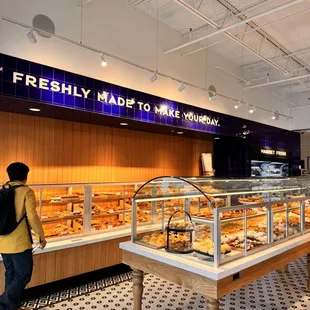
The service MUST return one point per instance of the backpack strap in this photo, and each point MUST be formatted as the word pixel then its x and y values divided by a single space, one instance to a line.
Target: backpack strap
pixel 7 186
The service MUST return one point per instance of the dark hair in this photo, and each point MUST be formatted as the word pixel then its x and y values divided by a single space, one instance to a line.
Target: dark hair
pixel 17 171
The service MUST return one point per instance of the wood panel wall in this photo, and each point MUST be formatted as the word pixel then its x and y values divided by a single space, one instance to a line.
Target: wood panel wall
pixel 66 152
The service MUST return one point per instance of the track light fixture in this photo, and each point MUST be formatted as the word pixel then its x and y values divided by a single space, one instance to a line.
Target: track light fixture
pixel 103 62
pixel 32 38
pixel 153 78
pixel 275 116
pixel 238 105
pixel 181 88
pixel 252 109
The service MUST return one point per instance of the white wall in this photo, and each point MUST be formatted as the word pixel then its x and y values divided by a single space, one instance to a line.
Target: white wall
pixel 115 28
pixel 305 147
pixel 301 118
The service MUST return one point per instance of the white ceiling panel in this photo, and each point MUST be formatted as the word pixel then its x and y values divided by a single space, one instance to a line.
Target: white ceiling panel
pixel 274 36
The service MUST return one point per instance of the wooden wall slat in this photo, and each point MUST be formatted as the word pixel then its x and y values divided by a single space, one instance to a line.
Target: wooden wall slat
pixel 66 152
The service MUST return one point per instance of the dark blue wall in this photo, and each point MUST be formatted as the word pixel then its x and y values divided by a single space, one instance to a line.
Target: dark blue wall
pixel 257 135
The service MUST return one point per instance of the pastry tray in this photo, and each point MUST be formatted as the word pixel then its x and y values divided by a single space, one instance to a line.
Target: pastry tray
pixel 301 196
pixel 206 254
pixel 250 203
pixel 179 252
pixel 150 245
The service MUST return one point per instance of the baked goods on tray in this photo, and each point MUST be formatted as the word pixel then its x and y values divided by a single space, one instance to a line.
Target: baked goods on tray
pixel 278 206
pixel 202 232
pixel 158 239
pixel 180 242
pixel 181 225
pixel 207 247
pixel 211 190
pixel 218 202
pixel 297 212
pixel 168 212
pixel 251 200
pixel 238 213
pixel 61 197
pixel 252 242
pixel 142 217
pixel 294 204
pixel 96 225
pixel 296 195
pixel 144 205
pixel 205 213
pixel 231 228
pixel 59 214
pixel 59 230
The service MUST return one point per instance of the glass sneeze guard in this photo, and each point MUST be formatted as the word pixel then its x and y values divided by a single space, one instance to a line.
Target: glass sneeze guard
pixel 233 218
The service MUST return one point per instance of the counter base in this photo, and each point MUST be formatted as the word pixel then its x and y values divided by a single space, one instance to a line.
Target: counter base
pixel 62 264
pixel 213 290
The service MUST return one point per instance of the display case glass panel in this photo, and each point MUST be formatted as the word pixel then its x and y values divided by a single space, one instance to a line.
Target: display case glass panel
pixel 233 218
pixel 67 210
pixel 58 209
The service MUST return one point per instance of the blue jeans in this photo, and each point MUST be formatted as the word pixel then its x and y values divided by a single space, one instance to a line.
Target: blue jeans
pixel 18 272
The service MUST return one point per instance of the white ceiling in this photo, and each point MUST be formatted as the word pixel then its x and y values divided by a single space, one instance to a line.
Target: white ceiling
pixel 277 43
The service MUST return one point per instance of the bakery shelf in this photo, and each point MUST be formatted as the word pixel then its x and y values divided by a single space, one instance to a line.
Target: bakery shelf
pixel 58 219
pixel 111 213
pixel 110 198
pixel 62 202
pixel 201 220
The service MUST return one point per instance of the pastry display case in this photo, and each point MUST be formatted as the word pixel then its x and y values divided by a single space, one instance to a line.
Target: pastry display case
pixel 232 218
pixel 68 210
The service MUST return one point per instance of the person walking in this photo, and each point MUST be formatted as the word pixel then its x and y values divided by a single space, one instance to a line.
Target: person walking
pixel 18 216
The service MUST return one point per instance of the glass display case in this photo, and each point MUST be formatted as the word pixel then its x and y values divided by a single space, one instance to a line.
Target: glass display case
pixel 67 210
pixel 232 218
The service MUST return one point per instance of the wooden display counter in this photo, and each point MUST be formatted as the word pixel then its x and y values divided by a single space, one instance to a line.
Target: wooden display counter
pixel 211 282
pixel 67 259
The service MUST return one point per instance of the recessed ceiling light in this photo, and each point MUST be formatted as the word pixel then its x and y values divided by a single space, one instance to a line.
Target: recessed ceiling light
pixel 34 110
pixel 124 124
pixel 180 132
pixel 216 138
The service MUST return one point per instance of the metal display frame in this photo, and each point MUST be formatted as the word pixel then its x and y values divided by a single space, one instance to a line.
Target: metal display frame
pixel 302 187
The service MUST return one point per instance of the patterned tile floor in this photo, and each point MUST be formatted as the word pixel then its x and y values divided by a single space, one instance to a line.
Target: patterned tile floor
pixel 277 291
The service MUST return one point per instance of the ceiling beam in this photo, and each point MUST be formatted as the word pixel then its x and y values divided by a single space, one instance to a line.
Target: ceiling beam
pixel 300 52
pixel 231 36
pixel 278 82
pixel 227 28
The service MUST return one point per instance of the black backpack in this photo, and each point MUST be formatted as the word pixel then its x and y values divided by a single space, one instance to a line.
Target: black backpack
pixel 8 221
